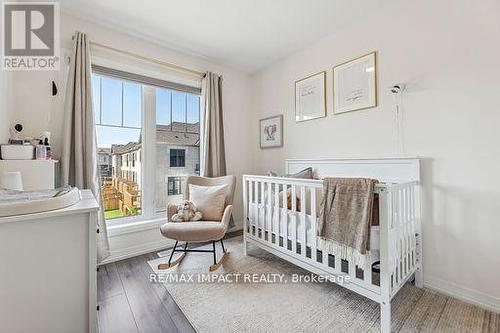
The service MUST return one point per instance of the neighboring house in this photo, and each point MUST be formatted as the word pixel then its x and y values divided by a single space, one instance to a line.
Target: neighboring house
pixel 126 161
pixel 177 156
pixel 104 161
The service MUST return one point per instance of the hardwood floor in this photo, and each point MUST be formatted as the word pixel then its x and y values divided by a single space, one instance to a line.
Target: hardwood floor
pixel 130 303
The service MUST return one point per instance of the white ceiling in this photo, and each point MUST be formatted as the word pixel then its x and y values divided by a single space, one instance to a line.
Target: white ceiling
pixel 245 34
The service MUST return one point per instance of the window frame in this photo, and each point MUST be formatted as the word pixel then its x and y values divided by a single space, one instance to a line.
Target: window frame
pixel 148 137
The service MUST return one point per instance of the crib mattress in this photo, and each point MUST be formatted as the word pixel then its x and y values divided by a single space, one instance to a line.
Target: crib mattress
pixel 285 229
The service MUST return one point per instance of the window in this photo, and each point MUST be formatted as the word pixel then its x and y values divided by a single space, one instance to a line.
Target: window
pixel 174 185
pixel 177 143
pixel 118 114
pixel 148 142
pixel 177 158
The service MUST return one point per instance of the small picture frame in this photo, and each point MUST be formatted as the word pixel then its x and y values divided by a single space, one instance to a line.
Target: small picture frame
pixel 310 97
pixel 355 84
pixel 271 132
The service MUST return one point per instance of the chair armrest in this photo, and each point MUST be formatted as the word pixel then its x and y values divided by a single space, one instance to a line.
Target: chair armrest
pixel 171 210
pixel 226 217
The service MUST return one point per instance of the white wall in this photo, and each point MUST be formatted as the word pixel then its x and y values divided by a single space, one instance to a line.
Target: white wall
pixel 4 118
pixel 39 111
pixel 448 54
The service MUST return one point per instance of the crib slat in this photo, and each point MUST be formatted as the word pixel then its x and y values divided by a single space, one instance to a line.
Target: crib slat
pixel 257 210
pixel 338 262
pixel 285 216
pixel 277 213
pixel 400 237
pixel 269 209
pixel 294 219
pixel 250 201
pixel 403 233
pixel 408 230
pixel 262 220
pixel 412 230
pixel 313 223
pixel 303 247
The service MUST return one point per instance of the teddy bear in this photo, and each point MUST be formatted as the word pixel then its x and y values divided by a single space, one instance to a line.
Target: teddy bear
pixel 186 211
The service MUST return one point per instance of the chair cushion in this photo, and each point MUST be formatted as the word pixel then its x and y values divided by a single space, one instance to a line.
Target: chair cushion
pixel 209 200
pixel 199 231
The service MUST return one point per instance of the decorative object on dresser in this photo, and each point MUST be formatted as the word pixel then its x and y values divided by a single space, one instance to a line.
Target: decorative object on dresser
pixel 310 97
pixel 355 84
pixel 271 132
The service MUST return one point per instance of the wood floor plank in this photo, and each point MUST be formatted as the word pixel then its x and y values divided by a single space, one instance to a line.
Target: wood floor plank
pixel 149 312
pixel 108 282
pixel 114 315
pixel 425 315
pixel 173 309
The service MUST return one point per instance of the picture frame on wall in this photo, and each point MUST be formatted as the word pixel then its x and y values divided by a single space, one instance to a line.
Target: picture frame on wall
pixel 271 132
pixel 355 84
pixel 310 97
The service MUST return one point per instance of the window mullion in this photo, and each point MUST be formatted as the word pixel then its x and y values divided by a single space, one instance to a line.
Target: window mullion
pixel 122 105
pixel 149 149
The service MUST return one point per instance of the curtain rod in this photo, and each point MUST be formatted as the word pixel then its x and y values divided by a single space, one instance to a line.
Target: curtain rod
pixel 152 60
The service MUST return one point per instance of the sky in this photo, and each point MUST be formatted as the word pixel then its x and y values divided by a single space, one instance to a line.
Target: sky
pixel 109 102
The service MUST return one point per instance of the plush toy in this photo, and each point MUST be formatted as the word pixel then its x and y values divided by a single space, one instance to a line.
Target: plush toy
pixel 186 211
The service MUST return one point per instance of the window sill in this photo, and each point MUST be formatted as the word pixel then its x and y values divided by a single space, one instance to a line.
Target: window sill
pixel 135 226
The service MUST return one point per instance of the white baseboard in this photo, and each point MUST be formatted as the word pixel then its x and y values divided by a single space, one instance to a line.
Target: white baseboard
pixel 137 250
pixel 144 237
pixel 467 295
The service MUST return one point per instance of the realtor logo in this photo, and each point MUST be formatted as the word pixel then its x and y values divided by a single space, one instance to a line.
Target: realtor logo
pixel 30 36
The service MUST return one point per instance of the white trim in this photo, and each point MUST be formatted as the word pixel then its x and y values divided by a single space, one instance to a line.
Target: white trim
pixel 135 226
pixel 137 250
pixel 462 293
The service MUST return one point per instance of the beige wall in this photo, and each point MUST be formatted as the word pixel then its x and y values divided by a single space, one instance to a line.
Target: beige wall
pixel 448 54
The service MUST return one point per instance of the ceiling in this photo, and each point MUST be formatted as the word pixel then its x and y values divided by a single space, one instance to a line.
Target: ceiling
pixel 244 34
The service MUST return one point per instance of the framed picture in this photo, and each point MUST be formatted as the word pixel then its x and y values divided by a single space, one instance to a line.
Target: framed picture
pixel 355 84
pixel 310 97
pixel 271 132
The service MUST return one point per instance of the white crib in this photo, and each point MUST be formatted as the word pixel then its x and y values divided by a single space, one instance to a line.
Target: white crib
pixel 396 242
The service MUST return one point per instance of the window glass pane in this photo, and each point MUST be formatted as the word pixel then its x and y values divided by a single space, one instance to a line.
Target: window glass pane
pixel 193 110
pixel 96 96
pixel 177 153
pixel 163 97
pixel 111 101
pixel 132 104
pixel 178 111
pixel 119 148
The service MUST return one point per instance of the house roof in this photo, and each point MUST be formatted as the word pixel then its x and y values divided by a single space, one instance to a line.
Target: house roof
pixel 179 134
pixel 123 149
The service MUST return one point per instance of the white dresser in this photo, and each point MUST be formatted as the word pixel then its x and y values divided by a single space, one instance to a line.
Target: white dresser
pixel 48 270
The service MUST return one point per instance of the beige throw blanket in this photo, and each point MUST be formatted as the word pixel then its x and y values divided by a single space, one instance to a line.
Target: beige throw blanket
pixel 346 218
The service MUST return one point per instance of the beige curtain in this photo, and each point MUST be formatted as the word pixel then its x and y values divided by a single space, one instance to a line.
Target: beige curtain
pixel 213 157
pixel 79 156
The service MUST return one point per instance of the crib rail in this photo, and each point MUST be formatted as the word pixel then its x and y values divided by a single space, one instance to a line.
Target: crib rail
pixel 274 220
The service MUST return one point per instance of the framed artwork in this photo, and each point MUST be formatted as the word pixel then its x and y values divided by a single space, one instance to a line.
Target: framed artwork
pixel 310 97
pixel 271 132
pixel 355 84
